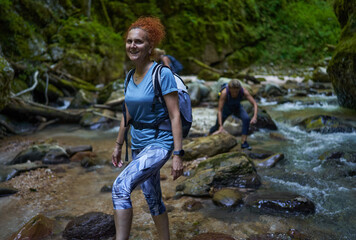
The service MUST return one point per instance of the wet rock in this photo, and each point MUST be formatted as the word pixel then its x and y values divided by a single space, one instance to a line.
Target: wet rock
pixel 224 170
pixel 208 146
pixel 208 75
pixel 86 159
pixel 106 188
pixel 90 226
pixel 338 164
pixel 326 124
pixel 6 191
pixel 320 75
pixel 94 121
pixel 8 172
pixel 227 197
pixel 194 93
pixel 280 202
pixel 291 234
pixel 271 161
pixel 264 120
pixel 192 205
pixel 213 236
pixel 39 227
pixel 271 90
pixel 56 155
pixel 73 150
pixel 259 154
pixel 278 136
pixel 83 99
pixel 33 153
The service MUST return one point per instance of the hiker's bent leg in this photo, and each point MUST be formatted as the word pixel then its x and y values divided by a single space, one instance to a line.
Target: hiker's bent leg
pixel 245 123
pixel 162 225
pixel 123 220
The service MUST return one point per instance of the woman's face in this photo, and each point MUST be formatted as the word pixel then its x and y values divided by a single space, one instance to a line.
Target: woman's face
pixel 137 45
pixel 234 92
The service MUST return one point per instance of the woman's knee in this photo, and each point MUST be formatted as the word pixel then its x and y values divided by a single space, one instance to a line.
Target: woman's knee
pixel 121 195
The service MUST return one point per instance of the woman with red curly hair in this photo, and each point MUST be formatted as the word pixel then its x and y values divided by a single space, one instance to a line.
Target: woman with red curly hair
pixel 151 148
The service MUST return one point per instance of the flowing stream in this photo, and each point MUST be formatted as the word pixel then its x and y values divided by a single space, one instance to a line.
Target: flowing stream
pixel 76 190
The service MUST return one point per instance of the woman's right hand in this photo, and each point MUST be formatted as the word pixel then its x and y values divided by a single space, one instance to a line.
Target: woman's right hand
pixel 116 157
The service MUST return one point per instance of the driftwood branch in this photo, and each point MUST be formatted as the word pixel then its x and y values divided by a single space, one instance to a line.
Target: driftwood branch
pixel 31 88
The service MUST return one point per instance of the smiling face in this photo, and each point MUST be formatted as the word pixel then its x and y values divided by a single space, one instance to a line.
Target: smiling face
pixel 138 48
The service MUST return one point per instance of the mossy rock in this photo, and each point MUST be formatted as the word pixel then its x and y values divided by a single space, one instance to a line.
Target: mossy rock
pixel 6 76
pixel 342 69
pixel 208 75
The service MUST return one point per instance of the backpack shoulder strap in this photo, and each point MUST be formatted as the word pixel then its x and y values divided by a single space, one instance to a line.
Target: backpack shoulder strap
pixel 156 82
pixel 128 78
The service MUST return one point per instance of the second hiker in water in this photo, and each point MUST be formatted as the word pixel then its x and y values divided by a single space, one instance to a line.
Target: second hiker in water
pixel 230 99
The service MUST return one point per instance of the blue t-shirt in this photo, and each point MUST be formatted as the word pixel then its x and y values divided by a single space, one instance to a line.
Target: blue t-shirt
pixel 139 99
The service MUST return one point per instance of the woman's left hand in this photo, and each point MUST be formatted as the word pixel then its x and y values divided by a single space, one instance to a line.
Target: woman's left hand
pixel 177 167
pixel 253 120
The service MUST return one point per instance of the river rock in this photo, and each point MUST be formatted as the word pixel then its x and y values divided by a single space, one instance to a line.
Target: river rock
pixel 192 205
pixel 224 170
pixel 83 99
pixel 338 164
pixel 83 148
pixel 271 161
pixel 8 172
pixel 94 121
pixel 90 226
pixel 194 93
pixel 342 69
pixel 271 91
pixel 280 202
pixel 320 75
pixel 39 227
pixel 33 153
pixel 326 124
pixel 227 197
pixel 212 236
pixel 208 146
pixel 291 234
pixel 6 190
pixel 56 155
pixel 207 75
pixel 264 120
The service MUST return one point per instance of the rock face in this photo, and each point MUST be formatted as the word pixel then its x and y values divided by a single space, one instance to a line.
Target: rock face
pixel 224 170
pixel 6 76
pixel 342 68
pixel 91 226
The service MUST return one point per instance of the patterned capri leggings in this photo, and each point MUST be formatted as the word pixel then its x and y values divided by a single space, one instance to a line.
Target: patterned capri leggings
pixel 143 169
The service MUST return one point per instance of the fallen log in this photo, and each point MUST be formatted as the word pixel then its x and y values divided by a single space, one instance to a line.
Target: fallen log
pixel 18 107
pixel 225 73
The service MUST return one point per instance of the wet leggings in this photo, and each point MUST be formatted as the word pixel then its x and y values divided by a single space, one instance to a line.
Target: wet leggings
pixel 143 169
pixel 242 114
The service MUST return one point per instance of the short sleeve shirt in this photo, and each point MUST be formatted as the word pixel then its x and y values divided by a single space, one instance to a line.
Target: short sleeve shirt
pixel 139 99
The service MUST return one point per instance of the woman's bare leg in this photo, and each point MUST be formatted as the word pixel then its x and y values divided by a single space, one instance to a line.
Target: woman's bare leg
pixel 123 220
pixel 162 225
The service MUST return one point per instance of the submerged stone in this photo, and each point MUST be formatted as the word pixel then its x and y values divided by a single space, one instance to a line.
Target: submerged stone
pixel 213 236
pixel 227 197
pixel 280 202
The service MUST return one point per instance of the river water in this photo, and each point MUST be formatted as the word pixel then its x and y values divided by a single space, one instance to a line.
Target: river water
pixel 73 190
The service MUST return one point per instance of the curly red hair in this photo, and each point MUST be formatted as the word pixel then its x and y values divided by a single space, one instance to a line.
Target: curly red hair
pixel 153 27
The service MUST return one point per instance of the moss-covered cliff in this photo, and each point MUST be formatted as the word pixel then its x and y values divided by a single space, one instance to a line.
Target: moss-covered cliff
pixel 342 68
pixel 84 38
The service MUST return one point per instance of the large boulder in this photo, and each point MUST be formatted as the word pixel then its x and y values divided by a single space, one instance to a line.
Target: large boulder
pixel 208 146
pixel 342 68
pixel 90 226
pixel 233 169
